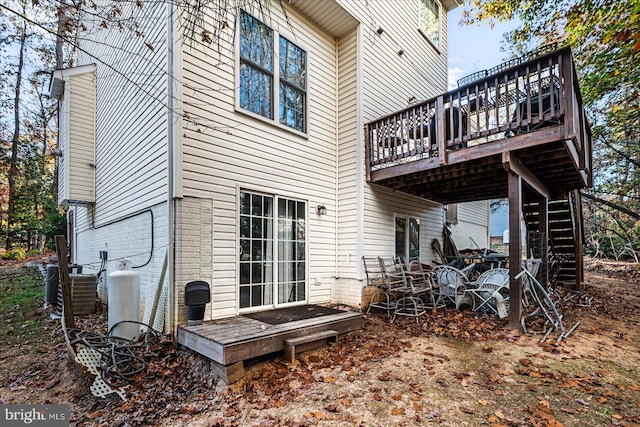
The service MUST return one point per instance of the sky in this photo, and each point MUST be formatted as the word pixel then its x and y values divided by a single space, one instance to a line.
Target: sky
pixel 473 48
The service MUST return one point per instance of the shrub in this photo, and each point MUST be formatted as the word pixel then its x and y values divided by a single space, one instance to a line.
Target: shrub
pixel 15 254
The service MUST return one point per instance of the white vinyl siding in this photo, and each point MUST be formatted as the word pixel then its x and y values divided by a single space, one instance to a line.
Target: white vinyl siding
pixel 389 80
pixel 348 135
pixel 386 83
pixel 76 174
pixel 473 223
pixel 81 151
pixel 131 122
pixel 379 222
pixel 224 150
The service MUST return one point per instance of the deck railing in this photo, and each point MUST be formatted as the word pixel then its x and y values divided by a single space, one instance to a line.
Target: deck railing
pixel 529 96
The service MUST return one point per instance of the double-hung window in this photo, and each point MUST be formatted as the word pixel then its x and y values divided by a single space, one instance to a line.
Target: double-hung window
pixel 429 20
pixel 264 88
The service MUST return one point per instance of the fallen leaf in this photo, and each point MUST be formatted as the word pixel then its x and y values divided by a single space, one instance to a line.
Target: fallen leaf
pixel 329 379
pixel 397 397
pixel 466 410
pixel 346 402
pixel 482 402
pixel 616 416
pixel 377 397
pixel 96 414
pixel 397 411
pixel 499 414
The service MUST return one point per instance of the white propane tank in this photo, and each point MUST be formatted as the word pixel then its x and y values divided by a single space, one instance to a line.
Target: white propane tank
pixel 505 237
pixel 124 301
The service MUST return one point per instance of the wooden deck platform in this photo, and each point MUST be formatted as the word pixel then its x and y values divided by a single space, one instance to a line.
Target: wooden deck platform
pixel 228 342
pixel 520 133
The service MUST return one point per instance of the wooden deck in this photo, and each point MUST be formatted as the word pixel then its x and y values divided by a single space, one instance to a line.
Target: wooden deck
pixel 461 146
pixel 520 133
pixel 228 342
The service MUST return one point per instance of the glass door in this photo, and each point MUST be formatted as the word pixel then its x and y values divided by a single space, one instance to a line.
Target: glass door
pixel 292 251
pixel 256 250
pixel 262 217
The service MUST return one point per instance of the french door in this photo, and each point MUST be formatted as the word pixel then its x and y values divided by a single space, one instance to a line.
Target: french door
pixel 273 251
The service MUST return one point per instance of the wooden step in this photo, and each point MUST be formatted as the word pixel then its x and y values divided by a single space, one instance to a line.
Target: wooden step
pixel 307 342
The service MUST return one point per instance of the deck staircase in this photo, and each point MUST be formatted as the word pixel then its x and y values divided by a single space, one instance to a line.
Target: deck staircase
pixel 565 222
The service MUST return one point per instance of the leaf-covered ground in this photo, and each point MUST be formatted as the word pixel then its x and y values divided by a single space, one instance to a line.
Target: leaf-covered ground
pixel 452 368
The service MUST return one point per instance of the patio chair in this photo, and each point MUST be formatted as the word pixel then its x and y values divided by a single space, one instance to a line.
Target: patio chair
pixel 491 286
pixel 451 285
pixel 383 300
pixel 394 272
pixel 424 283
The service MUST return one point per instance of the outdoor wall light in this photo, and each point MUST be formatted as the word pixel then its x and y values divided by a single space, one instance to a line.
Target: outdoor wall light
pixel 321 209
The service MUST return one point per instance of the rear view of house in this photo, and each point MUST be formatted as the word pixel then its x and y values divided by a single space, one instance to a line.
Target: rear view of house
pixel 266 149
pixel 242 159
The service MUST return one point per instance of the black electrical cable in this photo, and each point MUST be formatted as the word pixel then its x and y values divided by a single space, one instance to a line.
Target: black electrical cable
pixel 121 360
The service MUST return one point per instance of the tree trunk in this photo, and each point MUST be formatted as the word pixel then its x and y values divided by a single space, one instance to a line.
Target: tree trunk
pixel 15 141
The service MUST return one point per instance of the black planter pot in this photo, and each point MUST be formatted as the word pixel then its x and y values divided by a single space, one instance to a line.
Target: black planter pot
pixel 195 314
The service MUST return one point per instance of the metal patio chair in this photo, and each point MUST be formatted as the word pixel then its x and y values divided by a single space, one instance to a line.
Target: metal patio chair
pixel 400 282
pixel 383 300
pixel 424 282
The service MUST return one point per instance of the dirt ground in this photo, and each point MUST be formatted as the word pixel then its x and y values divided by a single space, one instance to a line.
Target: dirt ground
pixel 453 368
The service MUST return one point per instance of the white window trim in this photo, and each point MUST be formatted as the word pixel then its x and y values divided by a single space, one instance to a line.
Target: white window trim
pixel 275 105
pixel 422 33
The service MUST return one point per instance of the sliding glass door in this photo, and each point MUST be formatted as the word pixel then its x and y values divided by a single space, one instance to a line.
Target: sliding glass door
pixel 261 218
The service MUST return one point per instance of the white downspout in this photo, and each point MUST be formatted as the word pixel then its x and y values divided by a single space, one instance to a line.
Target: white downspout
pixel 337 166
pixel 171 324
pixel 360 165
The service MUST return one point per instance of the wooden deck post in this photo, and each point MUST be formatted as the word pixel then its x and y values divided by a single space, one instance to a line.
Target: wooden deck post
pixel 441 131
pixel 515 250
pixel 367 150
pixel 63 270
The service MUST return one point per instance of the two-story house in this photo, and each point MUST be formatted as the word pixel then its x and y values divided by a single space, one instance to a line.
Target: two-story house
pixel 253 147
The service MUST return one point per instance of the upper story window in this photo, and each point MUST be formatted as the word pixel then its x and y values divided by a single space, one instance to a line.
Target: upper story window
pixel 257 92
pixel 429 20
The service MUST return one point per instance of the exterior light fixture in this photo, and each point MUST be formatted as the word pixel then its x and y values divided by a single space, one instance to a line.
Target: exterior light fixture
pixel 379 31
pixel 321 209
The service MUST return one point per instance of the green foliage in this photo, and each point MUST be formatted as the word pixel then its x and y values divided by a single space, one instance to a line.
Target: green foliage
pixel 27 132
pixel 15 254
pixel 21 296
pixel 605 39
